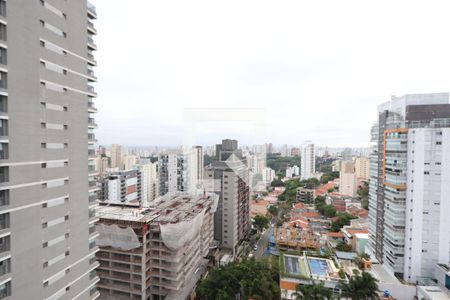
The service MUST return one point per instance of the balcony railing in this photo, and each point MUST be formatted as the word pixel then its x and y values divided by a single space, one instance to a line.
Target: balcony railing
pixel 91 8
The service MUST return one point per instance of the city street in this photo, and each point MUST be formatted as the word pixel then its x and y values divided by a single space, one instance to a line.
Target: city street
pixel 262 243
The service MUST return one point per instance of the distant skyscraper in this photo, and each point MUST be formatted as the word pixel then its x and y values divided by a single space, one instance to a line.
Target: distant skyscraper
pixel 150 177
pixel 348 183
pixel 116 156
pixel 129 161
pixel 47 150
pixel 196 167
pixel 228 177
pixel 173 172
pixel 308 161
pixel 409 203
pixel 362 167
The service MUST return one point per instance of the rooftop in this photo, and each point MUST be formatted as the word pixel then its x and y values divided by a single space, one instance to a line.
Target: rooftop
pixel 167 209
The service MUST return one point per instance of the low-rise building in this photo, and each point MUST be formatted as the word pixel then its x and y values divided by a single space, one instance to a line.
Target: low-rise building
pixel 156 252
pixel 295 236
pixel 305 195
pixel 299 269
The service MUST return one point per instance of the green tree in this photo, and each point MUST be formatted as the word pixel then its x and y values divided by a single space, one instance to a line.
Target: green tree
pixel 360 287
pixel 273 210
pixel 329 211
pixel 342 220
pixel 312 292
pixel 341 246
pixel 261 222
pixel 249 278
pixel 363 193
pixel 277 182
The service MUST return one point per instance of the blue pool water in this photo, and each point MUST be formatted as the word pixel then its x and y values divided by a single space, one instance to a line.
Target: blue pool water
pixel 318 267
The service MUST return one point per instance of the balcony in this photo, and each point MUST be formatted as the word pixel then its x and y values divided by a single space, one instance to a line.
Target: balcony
pixel 91 28
pixel 91 138
pixel 91 74
pixel 91 107
pixel 91 90
pixel 91 122
pixel 91 10
pixel 91 44
pixel 91 58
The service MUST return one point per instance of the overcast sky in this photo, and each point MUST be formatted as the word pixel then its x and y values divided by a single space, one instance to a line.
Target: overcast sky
pixel 316 69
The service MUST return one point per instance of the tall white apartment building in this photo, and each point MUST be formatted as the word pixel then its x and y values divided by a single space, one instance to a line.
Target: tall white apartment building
pixel 195 167
pixel 116 156
pixel 409 203
pixel 362 167
pixel 348 182
pixel 308 161
pixel 150 181
pixel 129 161
pixel 268 175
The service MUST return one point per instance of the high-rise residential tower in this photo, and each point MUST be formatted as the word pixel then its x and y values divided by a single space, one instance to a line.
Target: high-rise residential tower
pixel 116 156
pixel 196 167
pixel 228 176
pixel 47 185
pixel 409 203
pixel 348 183
pixel 150 175
pixel 308 161
pixel 173 172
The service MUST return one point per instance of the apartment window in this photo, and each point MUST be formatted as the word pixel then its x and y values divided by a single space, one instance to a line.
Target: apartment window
pixel 4 150
pixel 4 197
pixel 4 221
pixel 3 56
pixel 53 9
pixel 54 145
pixel 3 8
pixel 4 244
pixel 5 290
pixel 56 107
pixel 439 143
pixel 54 87
pixel 3 32
pixel 53 29
pixel 4 174
pixel 3 104
pixel 5 266
pixel 53 48
pixel 426 173
pixel 3 80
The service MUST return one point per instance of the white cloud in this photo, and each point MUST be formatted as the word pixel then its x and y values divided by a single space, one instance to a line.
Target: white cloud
pixel 319 68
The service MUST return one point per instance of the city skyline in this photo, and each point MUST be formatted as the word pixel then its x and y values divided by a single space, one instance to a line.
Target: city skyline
pixel 317 75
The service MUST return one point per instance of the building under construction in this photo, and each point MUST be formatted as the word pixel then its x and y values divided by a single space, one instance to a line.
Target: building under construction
pixel 290 236
pixel 157 252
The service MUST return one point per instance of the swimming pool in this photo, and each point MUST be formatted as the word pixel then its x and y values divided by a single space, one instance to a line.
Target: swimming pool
pixel 318 267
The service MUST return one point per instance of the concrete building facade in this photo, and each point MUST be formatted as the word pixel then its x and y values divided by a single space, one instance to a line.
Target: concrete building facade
pixel 229 179
pixel 158 252
pixel 348 182
pixel 362 167
pixel 116 156
pixel 409 228
pixel 47 185
pixel 308 161
pixel 173 172
pixel 122 187
pixel 150 181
